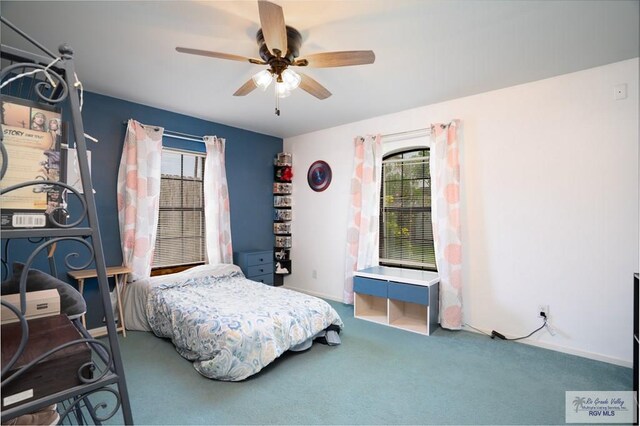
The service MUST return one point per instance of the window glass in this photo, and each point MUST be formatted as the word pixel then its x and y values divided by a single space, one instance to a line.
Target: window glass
pixel 180 239
pixel 406 234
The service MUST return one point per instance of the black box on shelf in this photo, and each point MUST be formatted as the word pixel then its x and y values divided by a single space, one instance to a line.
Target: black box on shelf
pixel 55 373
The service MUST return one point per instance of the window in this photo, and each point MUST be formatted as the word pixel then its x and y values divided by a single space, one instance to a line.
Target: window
pixel 181 238
pixel 406 234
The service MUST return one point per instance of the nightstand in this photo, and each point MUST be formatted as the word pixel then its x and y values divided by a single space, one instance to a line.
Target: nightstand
pixel 257 265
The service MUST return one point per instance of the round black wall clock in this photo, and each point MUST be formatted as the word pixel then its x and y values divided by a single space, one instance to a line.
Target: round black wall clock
pixel 319 176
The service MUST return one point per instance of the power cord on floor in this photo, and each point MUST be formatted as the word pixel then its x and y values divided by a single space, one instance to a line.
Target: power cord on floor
pixel 495 334
pixel 477 329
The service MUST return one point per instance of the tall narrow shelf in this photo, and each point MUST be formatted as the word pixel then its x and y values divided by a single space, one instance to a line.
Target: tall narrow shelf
pixel 282 216
pixel 82 399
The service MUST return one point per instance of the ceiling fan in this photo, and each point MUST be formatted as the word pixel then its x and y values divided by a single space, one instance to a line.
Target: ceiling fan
pixel 279 48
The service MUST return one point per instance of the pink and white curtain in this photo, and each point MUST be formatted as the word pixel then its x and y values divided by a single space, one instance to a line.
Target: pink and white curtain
pixel 364 210
pixel 138 196
pixel 445 216
pixel 216 204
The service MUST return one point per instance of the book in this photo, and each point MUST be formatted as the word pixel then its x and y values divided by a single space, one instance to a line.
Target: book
pixel 32 135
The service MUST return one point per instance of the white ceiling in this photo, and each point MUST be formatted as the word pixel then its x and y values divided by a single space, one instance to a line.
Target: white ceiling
pixel 426 51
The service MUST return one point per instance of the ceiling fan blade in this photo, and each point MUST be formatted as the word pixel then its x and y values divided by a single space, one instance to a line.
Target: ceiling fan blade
pixel 219 55
pixel 273 27
pixel 337 59
pixel 246 88
pixel 314 88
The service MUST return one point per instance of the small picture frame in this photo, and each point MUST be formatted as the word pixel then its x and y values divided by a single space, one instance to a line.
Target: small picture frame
pixel 283 214
pixel 282 201
pixel 282 188
pixel 283 159
pixel 282 228
pixel 282 254
pixel 282 242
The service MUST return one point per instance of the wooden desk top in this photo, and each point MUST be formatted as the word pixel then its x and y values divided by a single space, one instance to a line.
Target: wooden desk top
pixel 92 273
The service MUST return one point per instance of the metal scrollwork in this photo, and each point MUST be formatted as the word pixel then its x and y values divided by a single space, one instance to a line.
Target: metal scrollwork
pixel 67 258
pixel 41 247
pixel 57 86
pixel 42 185
pixel 5 158
pixel 79 401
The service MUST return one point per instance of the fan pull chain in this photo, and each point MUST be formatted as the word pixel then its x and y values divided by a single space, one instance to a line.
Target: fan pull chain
pixel 275 87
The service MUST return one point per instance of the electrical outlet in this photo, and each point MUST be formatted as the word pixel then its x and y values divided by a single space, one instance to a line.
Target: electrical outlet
pixel 314 274
pixel 545 309
pixel 620 92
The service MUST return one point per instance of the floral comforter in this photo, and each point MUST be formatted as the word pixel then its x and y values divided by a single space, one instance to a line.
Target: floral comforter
pixel 231 327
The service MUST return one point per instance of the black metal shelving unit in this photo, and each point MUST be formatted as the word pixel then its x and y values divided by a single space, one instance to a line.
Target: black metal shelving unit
pixel 282 190
pixel 79 404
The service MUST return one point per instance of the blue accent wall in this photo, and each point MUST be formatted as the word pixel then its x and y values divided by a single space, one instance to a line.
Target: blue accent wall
pixel 249 165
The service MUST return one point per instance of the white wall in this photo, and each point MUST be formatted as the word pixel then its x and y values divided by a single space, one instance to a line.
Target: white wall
pixel 550 216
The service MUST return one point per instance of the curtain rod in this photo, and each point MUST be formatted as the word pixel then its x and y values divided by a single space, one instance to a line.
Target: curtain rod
pixel 174 134
pixel 409 134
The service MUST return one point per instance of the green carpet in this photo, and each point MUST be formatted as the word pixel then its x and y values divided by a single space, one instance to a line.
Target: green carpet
pixel 379 375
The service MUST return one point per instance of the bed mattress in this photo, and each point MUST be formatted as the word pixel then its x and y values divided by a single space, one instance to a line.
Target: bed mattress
pixel 229 326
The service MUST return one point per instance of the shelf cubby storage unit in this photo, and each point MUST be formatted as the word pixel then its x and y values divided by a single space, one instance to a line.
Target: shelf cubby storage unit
pixel 282 190
pixel 401 298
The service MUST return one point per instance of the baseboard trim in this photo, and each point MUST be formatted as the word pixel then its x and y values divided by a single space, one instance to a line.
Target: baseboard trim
pixel 584 354
pixel 312 293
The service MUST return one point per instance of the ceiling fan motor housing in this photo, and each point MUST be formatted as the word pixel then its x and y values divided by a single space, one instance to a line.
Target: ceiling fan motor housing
pixel 294 40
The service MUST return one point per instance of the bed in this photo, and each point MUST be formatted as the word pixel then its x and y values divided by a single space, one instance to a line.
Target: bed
pixel 228 326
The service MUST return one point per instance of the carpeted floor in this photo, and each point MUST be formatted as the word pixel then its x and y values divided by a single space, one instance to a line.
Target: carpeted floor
pixel 379 375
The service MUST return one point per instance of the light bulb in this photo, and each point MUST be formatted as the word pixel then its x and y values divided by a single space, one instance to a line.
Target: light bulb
pixel 262 79
pixel 291 79
pixel 282 91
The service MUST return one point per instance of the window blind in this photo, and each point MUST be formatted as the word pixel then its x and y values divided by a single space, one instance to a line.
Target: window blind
pixel 406 233
pixel 181 238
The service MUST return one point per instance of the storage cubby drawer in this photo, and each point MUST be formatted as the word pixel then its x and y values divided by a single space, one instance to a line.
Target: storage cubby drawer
pixel 408 293
pixel 266 268
pixel 259 258
pixel 370 286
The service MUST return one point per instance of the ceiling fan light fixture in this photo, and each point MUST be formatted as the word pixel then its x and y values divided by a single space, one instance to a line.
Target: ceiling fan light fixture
pixel 262 79
pixel 282 91
pixel 291 79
